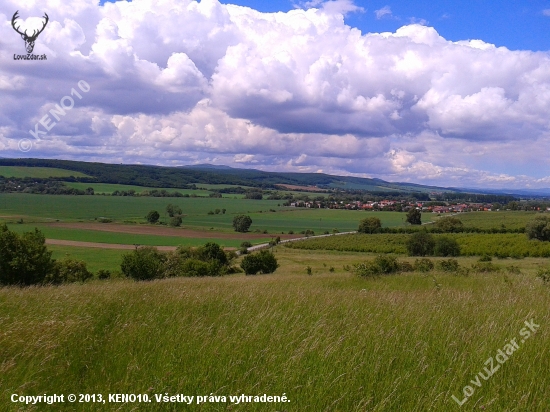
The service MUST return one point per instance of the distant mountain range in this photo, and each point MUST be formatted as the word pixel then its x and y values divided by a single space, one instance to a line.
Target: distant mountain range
pixel 182 176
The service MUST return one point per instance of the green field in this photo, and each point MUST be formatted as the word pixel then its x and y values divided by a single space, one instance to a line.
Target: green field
pixel 471 244
pixel 125 238
pixel 96 259
pixel 108 188
pixel 488 220
pixel 38 172
pixel 329 342
pixel 43 208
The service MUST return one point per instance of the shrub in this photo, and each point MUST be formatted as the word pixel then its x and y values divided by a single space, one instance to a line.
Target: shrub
pixel 538 228
pixel 24 259
pixel 68 271
pixel 446 246
pixel 449 265
pixel 246 244
pixel 370 225
pixel 309 270
pixel 381 265
pixel 153 216
pixel 449 224
pixel 212 252
pixel 176 221
pixel 243 251
pixel 423 265
pixel 144 263
pixel 420 244
pixel 241 223
pixel 173 210
pixel 406 267
pixel 199 268
pixel 103 274
pixel 485 258
pixel 262 262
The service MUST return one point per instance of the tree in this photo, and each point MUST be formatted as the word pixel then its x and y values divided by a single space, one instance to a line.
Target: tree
pixel 242 223
pixel 173 210
pixel 263 262
pixel 24 259
pixel 420 244
pixel 414 216
pixel 370 225
pixel 446 246
pixel 176 221
pixel 144 263
pixel 153 216
pixel 254 195
pixel 538 228
pixel 449 224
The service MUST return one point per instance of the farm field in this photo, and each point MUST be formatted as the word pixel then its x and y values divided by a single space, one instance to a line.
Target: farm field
pixel 38 172
pixel 471 244
pixel 100 236
pixel 48 208
pixel 329 341
pixel 488 220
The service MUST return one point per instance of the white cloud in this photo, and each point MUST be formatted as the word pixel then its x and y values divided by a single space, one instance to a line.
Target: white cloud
pixel 546 12
pixel 181 81
pixel 383 12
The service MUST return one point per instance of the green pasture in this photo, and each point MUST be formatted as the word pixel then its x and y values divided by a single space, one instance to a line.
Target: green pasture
pixel 124 238
pixel 96 259
pixel 486 220
pixel 38 172
pixel 329 341
pixel 108 188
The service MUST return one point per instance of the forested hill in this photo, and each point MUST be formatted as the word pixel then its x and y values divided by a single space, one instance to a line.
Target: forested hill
pixel 157 176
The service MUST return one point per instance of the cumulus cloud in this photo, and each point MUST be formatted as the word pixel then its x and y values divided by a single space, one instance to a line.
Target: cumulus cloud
pixel 176 82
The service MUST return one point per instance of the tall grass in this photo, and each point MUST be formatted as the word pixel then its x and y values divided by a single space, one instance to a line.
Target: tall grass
pixel 330 341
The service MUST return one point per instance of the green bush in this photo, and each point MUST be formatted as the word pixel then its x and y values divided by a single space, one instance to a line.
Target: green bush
pixel 449 225
pixel 262 262
pixel 176 221
pixel 420 244
pixel 144 263
pixel 446 246
pixel 381 265
pixel 103 274
pixel 538 228
pixel 423 265
pixel 153 216
pixel 69 271
pixel 246 244
pixel 370 225
pixel 485 258
pixel 24 259
pixel 449 265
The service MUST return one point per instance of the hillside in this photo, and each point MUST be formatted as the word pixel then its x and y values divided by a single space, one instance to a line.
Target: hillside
pixel 181 177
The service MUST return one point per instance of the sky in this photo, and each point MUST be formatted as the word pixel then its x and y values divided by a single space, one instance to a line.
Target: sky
pixel 455 93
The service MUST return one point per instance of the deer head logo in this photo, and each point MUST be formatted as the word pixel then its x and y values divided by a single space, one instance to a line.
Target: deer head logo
pixel 29 40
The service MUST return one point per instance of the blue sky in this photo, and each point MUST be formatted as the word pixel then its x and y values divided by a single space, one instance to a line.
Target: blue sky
pixel 517 25
pixel 446 93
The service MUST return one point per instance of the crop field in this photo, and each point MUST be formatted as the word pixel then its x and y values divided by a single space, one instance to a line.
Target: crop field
pixel 329 341
pixel 38 172
pixel 108 188
pixel 471 244
pixel 273 217
pixel 501 219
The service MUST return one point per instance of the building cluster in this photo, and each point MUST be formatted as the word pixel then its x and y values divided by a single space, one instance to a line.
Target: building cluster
pixel 394 205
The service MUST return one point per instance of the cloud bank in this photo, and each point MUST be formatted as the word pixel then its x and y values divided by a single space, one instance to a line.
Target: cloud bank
pixel 178 82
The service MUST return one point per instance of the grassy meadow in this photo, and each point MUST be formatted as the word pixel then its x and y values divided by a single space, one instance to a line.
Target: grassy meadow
pixel 38 172
pixel 329 341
